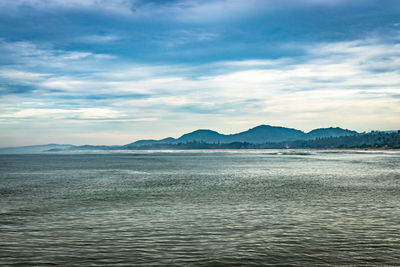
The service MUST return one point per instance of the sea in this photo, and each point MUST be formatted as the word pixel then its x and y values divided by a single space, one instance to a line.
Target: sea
pixel 200 208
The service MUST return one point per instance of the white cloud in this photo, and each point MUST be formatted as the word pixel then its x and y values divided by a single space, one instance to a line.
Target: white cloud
pixel 211 11
pixel 29 54
pixel 192 11
pixel 57 113
pixel 12 74
pixel 109 6
pixel 184 37
pixel 335 84
pixel 251 63
pixel 96 39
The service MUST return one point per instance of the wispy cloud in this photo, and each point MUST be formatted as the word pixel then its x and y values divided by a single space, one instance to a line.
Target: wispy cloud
pixel 11 74
pixel 97 39
pixel 332 76
pixel 62 114
pixel 227 10
pixel 109 6
pixel 184 37
pixel 156 68
pixel 29 54
pixel 193 11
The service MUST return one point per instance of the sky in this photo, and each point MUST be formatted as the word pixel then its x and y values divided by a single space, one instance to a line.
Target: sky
pixel 114 71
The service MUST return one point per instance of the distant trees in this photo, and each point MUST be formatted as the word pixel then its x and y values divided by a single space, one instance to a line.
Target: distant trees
pixel 364 140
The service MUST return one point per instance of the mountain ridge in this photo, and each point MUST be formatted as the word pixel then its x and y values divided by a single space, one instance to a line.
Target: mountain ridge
pixel 332 137
pixel 257 135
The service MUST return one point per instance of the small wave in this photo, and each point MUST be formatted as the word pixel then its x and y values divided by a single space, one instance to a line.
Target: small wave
pixel 295 153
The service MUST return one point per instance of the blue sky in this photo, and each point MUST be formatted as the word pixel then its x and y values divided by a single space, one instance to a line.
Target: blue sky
pixel 111 72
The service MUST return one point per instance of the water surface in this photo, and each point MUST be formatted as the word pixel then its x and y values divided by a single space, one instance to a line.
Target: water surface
pixel 218 208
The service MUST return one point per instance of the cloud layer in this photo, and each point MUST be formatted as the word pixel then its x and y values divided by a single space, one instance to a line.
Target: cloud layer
pixel 110 84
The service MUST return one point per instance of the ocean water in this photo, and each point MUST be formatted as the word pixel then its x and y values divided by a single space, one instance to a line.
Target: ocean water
pixel 201 208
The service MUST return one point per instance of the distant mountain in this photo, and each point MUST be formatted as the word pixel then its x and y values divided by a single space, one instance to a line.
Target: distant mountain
pixel 328 132
pixel 206 136
pixel 34 149
pixel 374 140
pixel 168 140
pixel 266 133
pixel 257 135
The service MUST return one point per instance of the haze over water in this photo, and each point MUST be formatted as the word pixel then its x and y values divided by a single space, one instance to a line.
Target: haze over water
pixel 200 208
